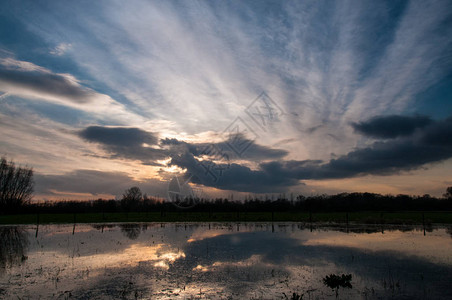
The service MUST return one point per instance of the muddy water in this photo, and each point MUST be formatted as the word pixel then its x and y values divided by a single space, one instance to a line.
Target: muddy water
pixel 223 261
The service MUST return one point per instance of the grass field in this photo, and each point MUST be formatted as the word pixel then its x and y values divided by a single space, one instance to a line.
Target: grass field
pixel 187 216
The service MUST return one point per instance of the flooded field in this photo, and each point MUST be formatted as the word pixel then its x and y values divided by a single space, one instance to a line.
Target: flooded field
pixel 223 261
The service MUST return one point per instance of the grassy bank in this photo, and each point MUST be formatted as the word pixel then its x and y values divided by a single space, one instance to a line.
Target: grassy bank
pixel 187 216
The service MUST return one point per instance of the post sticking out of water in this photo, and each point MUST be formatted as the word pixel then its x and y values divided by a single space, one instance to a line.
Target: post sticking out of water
pixel 423 222
pixel 75 220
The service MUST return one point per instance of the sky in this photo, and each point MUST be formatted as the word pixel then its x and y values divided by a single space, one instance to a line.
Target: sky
pixel 230 97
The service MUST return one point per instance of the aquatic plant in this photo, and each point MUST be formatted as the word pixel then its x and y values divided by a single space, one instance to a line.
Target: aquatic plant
pixel 334 282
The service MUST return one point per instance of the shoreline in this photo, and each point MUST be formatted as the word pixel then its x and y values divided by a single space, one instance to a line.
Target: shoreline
pixel 352 218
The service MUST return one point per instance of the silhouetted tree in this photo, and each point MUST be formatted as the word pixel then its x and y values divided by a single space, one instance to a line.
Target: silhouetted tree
pixel 16 185
pixel 131 198
pixel 448 193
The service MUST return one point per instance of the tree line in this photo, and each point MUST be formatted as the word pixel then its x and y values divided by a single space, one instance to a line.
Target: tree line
pixel 16 190
pixel 134 201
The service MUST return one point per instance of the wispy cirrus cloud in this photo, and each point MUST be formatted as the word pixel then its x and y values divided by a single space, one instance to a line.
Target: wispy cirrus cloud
pixel 171 62
pixel 60 49
pixel 187 69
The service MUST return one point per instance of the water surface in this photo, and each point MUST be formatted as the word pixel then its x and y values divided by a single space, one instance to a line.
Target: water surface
pixel 223 261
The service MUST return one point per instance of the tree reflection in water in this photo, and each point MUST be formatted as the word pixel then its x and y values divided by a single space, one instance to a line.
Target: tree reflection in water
pixel 13 246
pixel 132 231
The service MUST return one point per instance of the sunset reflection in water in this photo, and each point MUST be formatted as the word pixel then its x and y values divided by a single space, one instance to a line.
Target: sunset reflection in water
pixel 234 260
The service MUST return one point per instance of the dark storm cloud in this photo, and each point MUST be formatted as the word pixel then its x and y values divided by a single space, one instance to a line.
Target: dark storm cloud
pixel 391 126
pixel 118 136
pixel 431 144
pixel 254 152
pixel 129 143
pixel 125 142
pixel 42 83
pixel 226 174
pixel 94 182
pixel 439 135
pixel 231 176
